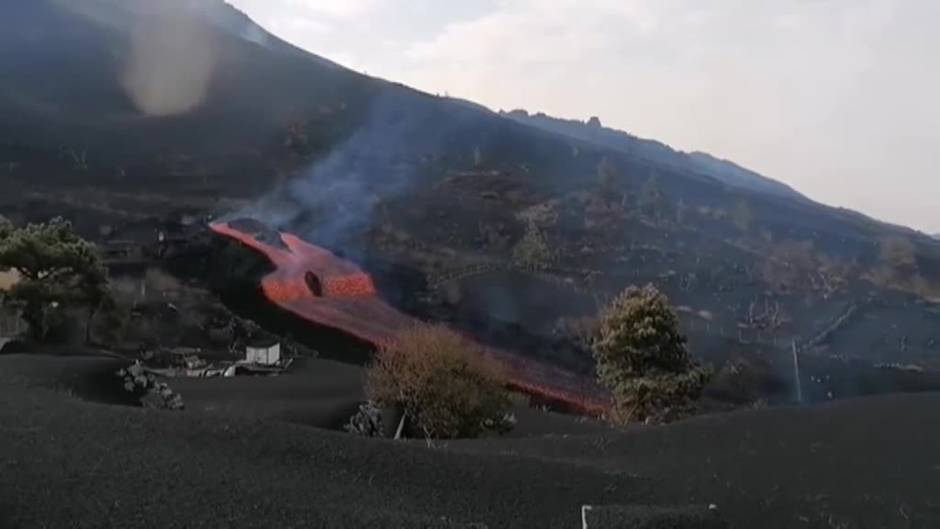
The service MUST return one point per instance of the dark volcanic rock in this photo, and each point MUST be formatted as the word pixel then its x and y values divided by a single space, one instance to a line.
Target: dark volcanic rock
pixel 644 517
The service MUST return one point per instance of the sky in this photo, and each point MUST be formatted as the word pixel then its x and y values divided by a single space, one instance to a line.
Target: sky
pixel 838 98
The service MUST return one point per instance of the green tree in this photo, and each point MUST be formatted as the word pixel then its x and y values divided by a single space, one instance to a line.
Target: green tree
pixel 446 389
pixel 533 252
pixel 643 359
pixel 57 269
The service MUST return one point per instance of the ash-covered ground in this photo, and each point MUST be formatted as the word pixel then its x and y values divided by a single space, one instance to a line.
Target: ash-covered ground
pixel 254 453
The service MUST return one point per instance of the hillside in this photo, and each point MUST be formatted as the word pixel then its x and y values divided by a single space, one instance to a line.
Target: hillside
pixel 656 152
pixel 120 115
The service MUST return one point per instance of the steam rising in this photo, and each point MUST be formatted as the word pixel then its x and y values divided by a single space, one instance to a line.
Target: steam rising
pixel 170 66
pixel 334 201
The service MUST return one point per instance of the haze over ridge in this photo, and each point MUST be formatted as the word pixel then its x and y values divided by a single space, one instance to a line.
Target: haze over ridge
pixel 834 98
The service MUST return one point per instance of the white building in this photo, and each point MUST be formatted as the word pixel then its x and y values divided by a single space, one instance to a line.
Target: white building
pixel 11 326
pixel 265 354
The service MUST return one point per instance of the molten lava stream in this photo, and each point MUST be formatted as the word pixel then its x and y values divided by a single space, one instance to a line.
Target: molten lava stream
pixel 316 285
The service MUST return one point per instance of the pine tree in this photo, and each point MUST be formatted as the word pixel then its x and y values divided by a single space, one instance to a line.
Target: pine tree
pixel 643 358
pixel 57 270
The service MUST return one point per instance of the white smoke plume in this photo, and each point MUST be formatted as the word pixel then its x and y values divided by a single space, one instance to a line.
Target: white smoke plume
pixel 171 64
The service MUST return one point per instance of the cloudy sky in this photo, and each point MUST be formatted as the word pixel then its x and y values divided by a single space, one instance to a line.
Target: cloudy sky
pixel 835 97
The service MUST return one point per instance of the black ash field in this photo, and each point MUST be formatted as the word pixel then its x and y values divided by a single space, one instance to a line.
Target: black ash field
pixel 72 455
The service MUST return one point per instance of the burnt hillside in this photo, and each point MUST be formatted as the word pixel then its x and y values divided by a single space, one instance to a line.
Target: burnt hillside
pixel 118 112
pixel 656 152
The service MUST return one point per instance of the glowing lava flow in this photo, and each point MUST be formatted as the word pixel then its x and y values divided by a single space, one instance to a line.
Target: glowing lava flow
pixel 316 285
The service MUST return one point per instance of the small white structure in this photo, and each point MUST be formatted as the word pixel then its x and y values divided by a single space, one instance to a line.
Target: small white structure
pixel 265 354
pixel 11 326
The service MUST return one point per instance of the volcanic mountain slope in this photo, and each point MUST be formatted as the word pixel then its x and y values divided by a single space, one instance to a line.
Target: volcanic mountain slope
pixel 117 111
pixel 178 90
pixel 656 152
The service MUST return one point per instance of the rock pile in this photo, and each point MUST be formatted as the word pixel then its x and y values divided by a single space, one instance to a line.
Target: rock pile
pixel 149 392
pixel 366 422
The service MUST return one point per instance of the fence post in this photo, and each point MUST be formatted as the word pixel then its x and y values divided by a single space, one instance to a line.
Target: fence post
pixel 796 372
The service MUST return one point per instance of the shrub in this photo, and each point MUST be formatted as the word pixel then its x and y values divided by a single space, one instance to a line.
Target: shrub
pixel 544 214
pixel 898 269
pixel 532 251
pixel 150 392
pixel 643 359
pixel 445 389
pixel 367 422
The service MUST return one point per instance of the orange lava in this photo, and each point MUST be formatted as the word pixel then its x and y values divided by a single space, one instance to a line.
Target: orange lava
pixel 315 284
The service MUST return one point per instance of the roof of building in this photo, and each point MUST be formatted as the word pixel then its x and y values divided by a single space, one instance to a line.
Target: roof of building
pixel 262 343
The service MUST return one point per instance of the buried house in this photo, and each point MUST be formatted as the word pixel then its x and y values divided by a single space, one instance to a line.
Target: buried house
pixel 265 353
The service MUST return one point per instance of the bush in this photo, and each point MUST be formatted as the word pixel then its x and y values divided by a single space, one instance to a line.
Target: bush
pixel 643 359
pixel 533 252
pixel 150 392
pixel 445 389
pixel 367 422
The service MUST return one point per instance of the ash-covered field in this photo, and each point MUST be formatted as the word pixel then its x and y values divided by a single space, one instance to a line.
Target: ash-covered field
pixel 259 453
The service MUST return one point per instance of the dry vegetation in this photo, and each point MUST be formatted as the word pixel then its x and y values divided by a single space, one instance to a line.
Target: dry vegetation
pixel 445 389
pixel 898 269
